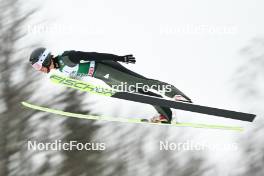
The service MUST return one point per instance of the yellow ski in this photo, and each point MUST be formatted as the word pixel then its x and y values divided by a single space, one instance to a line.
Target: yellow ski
pixel 128 120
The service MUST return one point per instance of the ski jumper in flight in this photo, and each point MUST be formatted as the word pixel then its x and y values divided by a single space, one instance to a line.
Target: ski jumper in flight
pixel 107 68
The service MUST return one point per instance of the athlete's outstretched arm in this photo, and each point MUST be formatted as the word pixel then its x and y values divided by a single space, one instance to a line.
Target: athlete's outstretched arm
pixel 77 56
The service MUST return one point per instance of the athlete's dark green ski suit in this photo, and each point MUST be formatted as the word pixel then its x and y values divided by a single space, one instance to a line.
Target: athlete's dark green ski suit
pixel 106 68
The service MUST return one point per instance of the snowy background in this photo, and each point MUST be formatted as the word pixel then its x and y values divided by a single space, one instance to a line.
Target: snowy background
pixel 211 50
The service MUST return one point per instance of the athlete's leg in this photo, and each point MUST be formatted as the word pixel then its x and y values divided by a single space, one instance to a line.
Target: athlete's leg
pixel 168 90
pixel 165 111
pixel 114 77
pixel 162 87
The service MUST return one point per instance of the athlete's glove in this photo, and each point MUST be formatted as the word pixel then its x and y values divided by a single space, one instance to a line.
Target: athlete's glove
pixel 127 59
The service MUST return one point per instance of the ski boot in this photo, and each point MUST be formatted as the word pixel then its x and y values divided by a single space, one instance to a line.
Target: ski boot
pixel 181 98
pixel 160 119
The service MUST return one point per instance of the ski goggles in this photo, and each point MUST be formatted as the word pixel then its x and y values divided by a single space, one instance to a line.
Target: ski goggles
pixel 38 65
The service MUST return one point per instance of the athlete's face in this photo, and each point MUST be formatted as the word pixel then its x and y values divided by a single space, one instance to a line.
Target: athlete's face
pixel 45 69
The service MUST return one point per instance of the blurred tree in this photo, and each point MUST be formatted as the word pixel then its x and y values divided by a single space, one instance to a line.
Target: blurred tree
pixel 249 76
pixel 13 89
pixel 174 162
pixel 79 162
pixel 126 151
pixel 249 81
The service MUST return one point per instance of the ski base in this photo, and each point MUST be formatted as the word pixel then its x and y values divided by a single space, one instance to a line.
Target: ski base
pixel 129 120
pixel 156 101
